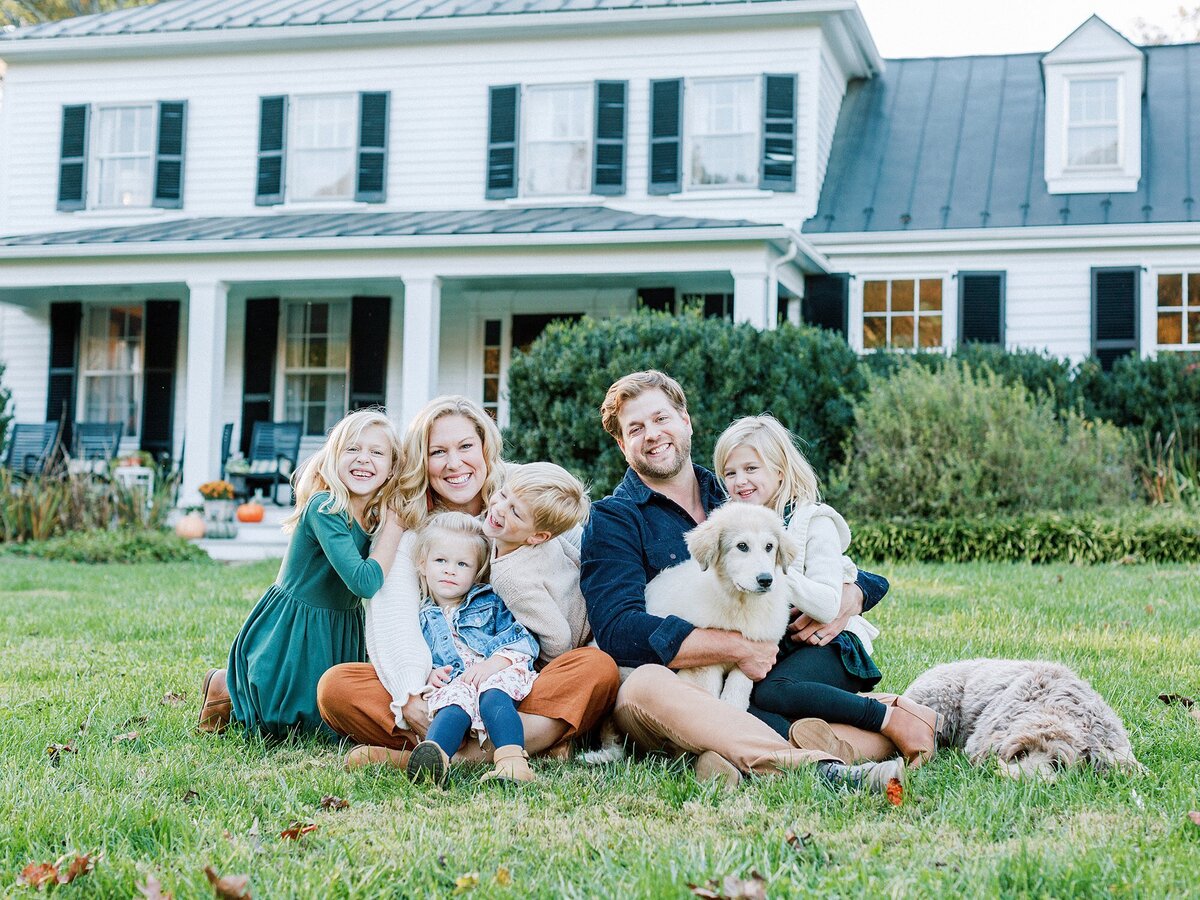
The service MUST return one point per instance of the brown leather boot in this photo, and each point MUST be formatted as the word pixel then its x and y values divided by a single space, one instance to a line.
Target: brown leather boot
pixel 913 728
pixel 370 755
pixel 216 708
pixel 511 764
pixel 843 741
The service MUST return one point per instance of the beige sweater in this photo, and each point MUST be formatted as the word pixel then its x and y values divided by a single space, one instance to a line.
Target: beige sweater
pixel 540 586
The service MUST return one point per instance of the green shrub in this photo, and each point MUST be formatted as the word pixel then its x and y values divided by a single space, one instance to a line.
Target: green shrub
pixel 122 545
pixel 5 414
pixel 952 442
pixel 1082 538
pixel 1159 395
pixel 807 377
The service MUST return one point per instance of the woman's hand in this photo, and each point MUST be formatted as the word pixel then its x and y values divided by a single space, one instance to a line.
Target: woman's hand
pixel 439 677
pixel 807 630
pixel 481 672
pixel 416 714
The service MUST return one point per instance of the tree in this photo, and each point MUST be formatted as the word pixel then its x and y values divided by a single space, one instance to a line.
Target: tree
pixel 34 12
pixel 1184 27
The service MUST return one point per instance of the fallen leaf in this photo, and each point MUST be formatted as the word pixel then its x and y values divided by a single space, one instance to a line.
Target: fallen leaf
pixel 170 698
pixel 795 841
pixel 1195 817
pixel 1170 699
pixel 503 876
pixel 190 796
pixel 467 882
pixel 1149 609
pixel 135 720
pixel 254 839
pixel 1058 579
pixel 36 875
pixel 152 890
pixel 733 888
pixel 331 802
pixel 296 830
pixel 895 791
pixel 127 736
pixel 56 751
pixel 80 865
pixel 231 887
pixel 707 892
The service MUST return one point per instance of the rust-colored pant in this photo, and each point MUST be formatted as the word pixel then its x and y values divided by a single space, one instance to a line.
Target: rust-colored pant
pixel 660 711
pixel 577 688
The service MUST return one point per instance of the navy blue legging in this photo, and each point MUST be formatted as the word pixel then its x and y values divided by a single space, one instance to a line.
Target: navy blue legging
pixel 451 723
pixel 812 682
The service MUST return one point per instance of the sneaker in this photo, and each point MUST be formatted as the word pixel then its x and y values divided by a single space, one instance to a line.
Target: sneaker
pixel 869 776
pixel 712 766
pixel 428 761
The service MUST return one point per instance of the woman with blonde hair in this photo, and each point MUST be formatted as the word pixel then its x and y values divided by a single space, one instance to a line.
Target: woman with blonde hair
pixel 452 455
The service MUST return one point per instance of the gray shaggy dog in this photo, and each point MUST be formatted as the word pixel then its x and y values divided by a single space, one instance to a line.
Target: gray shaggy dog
pixel 1036 717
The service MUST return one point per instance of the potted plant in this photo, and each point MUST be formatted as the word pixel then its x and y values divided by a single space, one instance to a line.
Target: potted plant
pixel 218 509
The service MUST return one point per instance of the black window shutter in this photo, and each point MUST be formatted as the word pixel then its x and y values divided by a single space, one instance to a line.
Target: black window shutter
pixel 65 320
pixel 777 171
pixel 272 131
pixel 503 108
pixel 168 168
pixel 72 163
pixel 369 318
pixel 666 136
pixel 981 307
pixel 826 298
pixel 158 390
pixel 608 172
pixel 1114 314
pixel 258 364
pixel 372 148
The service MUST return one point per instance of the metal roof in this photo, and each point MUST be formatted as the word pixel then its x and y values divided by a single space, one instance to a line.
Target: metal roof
pixel 377 224
pixel 958 143
pixel 214 15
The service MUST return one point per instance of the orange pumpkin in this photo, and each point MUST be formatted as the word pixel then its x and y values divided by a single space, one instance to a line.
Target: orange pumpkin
pixel 190 527
pixel 250 512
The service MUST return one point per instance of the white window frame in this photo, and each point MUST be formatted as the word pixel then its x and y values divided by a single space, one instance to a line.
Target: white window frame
pixel 1184 296
pixel 89 376
pixel 97 156
pixel 587 137
pixel 302 371
pixel 857 312
pixel 1117 123
pixel 691 120
pixel 296 127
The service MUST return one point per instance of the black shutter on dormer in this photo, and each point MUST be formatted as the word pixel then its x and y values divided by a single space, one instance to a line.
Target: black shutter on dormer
pixel 372 148
pixel 272 131
pixel 258 364
pixel 65 321
pixel 369 322
pixel 777 170
pixel 168 167
pixel 981 307
pixel 158 389
pixel 503 109
pixel 1114 314
pixel 608 172
pixel 72 162
pixel 666 136
pixel 825 301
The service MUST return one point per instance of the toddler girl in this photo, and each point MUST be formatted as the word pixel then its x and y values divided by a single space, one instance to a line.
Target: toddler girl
pixel 311 618
pixel 482 657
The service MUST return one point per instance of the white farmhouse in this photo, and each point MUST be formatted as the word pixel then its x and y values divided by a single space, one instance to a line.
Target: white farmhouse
pixel 231 211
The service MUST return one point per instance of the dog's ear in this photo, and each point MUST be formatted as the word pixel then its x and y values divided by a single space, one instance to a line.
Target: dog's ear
pixel 704 544
pixel 788 550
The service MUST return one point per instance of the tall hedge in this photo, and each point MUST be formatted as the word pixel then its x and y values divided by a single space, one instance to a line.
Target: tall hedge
pixel 807 377
pixel 5 413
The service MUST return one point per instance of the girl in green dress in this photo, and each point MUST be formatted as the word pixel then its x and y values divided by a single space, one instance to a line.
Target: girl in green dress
pixel 311 618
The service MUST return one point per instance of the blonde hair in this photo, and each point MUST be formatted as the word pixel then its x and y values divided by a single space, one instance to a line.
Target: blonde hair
pixel 634 385
pixel 452 524
pixel 777 448
pixel 319 471
pixel 557 499
pixel 417 500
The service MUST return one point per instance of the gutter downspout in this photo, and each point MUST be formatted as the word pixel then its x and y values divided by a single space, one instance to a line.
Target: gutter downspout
pixel 796 244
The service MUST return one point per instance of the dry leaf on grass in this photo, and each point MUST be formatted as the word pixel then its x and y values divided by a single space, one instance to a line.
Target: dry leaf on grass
pixel 331 802
pixel 80 865
pixel 797 841
pixel 190 795
pixel 1195 817
pixel 1188 703
pixel 56 751
pixel 733 888
pixel 38 875
pixel 466 882
pixel 895 792
pixel 170 698
pixel 127 736
pixel 135 720
pixel 503 876
pixel 231 887
pixel 254 839
pixel 152 890
pixel 297 830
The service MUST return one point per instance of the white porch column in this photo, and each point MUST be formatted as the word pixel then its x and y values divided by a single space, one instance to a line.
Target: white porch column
pixel 207 312
pixel 422 338
pixel 752 301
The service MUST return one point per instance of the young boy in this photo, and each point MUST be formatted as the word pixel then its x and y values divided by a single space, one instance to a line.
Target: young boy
pixel 535 563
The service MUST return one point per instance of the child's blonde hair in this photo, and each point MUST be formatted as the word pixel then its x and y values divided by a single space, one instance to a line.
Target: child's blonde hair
pixel 417 500
pixel 319 471
pixel 557 499
pixel 777 448
pixel 454 524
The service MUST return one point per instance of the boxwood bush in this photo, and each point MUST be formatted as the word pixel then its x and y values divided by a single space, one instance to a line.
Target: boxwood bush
pixel 5 413
pixel 120 545
pixel 807 377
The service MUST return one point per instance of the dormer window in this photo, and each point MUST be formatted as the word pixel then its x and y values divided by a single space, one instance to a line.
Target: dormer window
pixel 1093 123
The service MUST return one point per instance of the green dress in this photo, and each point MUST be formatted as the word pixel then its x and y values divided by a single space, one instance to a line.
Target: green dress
pixel 309 620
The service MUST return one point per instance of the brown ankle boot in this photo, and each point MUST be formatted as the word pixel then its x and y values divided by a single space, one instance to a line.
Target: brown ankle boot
pixel 913 728
pixel 216 708
pixel 843 741
pixel 511 764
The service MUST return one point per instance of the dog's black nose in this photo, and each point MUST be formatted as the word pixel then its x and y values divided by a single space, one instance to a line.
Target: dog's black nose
pixel 765 580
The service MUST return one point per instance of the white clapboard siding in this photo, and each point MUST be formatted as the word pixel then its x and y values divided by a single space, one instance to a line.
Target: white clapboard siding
pixel 25 352
pixel 832 88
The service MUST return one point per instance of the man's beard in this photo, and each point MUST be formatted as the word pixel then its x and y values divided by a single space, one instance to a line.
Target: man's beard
pixel 666 470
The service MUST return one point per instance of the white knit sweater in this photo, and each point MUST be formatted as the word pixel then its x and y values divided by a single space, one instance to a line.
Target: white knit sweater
pixel 540 586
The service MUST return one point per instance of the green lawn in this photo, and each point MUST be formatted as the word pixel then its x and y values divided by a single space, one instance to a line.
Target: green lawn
pixel 90 652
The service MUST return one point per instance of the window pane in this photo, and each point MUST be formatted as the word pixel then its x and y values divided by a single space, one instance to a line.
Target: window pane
pixel 723 134
pixel 931 293
pixel 874 332
pixel 1193 297
pixel 1170 290
pixel 491 390
pixel 122 161
pixel 557 139
pixel 1170 328
pixel 557 168
pixel 491 361
pixel 1092 146
pixel 1193 323
pixel 321 154
pixel 930 331
pixel 902 296
pixel 902 331
pixel 875 296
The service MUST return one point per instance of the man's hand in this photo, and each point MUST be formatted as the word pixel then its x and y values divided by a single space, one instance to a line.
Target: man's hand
pixel 481 672
pixel 439 677
pixel 757 659
pixel 416 714
pixel 807 630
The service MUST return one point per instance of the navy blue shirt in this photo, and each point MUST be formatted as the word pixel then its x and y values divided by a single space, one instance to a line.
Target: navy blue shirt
pixel 631 536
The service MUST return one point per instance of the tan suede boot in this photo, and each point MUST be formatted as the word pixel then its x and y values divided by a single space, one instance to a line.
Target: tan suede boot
pixel 844 741
pixel 216 707
pixel 913 728
pixel 511 764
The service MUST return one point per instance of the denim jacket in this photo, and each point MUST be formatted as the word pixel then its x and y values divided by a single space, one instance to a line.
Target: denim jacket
pixel 483 623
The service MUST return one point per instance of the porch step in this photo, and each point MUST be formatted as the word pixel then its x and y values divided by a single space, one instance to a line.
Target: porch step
pixel 254 541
